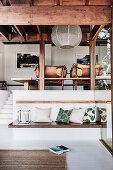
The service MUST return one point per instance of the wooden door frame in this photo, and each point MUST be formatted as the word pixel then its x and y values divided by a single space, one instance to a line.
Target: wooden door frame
pixel 112 74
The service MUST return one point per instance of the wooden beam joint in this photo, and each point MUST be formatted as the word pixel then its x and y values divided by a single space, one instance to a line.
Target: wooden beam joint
pixel 95 31
pixel 21 31
pixel 59 2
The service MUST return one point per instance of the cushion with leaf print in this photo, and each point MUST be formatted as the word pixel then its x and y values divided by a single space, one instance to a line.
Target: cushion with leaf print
pixel 89 115
pixel 103 114
pixel 63 116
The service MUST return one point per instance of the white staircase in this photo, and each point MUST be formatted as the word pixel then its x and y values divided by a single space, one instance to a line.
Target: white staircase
pixel 6 113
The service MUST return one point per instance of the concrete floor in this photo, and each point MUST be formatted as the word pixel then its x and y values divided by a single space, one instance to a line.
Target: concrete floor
pixel 83 155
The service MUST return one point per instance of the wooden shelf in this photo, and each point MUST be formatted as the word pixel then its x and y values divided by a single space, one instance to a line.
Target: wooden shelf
pixel 103 78
pixel 64 101
pixel 22 80
pixel 66 78
pixel 57 125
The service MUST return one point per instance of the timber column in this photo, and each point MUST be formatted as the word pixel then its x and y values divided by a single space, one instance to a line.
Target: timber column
pixel 42 63
pixel 92 64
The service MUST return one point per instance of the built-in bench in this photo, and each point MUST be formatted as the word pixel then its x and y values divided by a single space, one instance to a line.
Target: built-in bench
pixel 56 99
pixel 15 124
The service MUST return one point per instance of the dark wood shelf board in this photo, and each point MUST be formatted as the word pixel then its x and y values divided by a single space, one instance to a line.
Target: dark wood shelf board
pixel 57 125
pixel 64 101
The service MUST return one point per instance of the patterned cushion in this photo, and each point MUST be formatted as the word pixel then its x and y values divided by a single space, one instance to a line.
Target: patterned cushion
pixel 89 115
pixel 63 116
pixel 103 114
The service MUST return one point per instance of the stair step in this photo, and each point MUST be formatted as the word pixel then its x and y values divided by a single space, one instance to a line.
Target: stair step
pixel 6 116
pixel 9 102
pixel 10 99
pixel 6 121
pixel 6 110
pixel 8 106
pixel 11 94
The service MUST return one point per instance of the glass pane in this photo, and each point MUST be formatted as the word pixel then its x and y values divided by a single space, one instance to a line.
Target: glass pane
pixel 103 60
pixel 103 83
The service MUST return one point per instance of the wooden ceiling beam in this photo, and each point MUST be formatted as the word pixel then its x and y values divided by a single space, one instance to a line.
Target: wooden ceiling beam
pixel 30 2
pixel 45 2
pixel 87 2
pixel 21 31
pixel 39 29
pixel 4 33
pixel 58 2
pixel 20 2
pixel 100 2
pixel 55 15
pixel 1 3
pixel 5 3
pixel 95 31
pixel 61 2
pixel 36 38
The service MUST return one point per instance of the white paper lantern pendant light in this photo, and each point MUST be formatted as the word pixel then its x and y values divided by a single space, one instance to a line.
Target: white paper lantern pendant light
pixel 66 36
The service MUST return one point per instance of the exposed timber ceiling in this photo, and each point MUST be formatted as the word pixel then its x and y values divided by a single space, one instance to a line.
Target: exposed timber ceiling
pixel 55 2
pixel 33 33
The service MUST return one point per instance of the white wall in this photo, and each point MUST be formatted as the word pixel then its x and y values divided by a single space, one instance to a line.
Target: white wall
pixel 50 134
pixel 53 56
pixel 1 61
pixel 10 60
pixel 68 56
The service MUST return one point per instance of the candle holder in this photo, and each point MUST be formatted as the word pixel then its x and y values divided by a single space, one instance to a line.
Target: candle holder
pixel 24 116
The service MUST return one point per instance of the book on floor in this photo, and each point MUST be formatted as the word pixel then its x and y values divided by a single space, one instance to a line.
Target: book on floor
pixel 59 149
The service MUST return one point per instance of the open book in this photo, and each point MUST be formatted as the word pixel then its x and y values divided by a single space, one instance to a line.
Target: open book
pixel 59 149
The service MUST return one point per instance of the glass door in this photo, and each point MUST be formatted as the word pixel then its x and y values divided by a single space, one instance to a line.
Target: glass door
pixel 103 84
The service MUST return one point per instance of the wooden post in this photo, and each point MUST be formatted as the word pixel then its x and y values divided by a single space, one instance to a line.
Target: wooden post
pixel 112 75
pixel 92 64
pixel 42 64
pixel 26 85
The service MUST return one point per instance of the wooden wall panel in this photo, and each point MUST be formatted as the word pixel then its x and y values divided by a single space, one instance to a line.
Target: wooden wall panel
pixel 55 15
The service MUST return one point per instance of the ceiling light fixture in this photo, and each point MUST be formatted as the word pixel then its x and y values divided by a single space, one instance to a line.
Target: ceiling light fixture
pixel 66 36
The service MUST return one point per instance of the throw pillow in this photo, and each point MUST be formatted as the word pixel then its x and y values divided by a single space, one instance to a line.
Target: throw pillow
pixel 77 115
pixel 89 115
pixel 103 114
pixel 63 116
pixel 42 115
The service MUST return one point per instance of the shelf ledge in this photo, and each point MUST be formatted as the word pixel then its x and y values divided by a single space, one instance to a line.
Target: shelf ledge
pixel 57 125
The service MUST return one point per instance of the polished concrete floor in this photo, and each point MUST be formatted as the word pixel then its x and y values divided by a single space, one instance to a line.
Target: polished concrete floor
pixel 83 155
